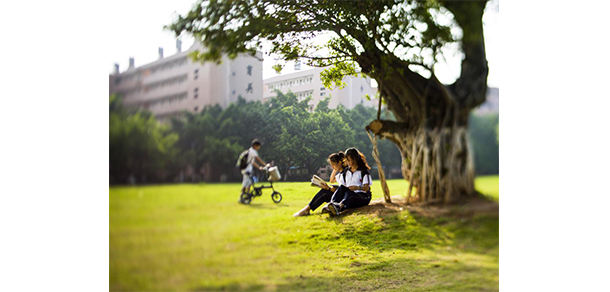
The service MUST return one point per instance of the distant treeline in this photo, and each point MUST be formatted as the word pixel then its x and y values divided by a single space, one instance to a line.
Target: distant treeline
pixel 484 135
pixel 204 146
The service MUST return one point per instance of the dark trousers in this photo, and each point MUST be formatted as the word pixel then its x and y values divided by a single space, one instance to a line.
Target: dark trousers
pixel 339 194
pixel 350 199
pixel 321 197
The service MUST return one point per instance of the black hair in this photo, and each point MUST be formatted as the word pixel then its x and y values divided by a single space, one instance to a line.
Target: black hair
pixel 356 155
pixel 338 157
pixel 255 142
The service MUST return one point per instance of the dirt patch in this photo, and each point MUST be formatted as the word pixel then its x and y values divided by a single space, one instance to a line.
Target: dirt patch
pixel 465 208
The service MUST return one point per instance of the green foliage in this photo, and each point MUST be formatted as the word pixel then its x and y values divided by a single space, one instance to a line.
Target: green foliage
pixel 408 30
pixel 358 118
pixel 485 143
pixel 278 68
pixel 210 141
pixel 292 134
pixel 336 74
pixel 139 146
pixel 198 238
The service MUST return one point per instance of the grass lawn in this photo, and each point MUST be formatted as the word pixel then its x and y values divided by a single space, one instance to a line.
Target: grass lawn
pixel 489 186
pixel 199 238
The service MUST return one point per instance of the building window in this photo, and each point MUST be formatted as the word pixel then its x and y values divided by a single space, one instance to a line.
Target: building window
pixel 196 71
pixel 196 95
pixel 233 73
pixel 233 92
pixel 322 93
pixel 249 70
pixel 196 77
pixel 322 88
pixel 196 89
pixel 195 109
pixel 249 89
pixel 361 88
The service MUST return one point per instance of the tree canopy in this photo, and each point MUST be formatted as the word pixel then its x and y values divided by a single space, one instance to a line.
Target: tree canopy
pixel 378 36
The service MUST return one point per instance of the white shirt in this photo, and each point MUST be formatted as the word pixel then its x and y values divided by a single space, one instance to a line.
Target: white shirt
pixel 339 179
pixel 251 155
pixel 356 179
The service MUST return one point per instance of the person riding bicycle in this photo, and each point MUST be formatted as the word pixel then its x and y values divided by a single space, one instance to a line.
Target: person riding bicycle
pixel 253 158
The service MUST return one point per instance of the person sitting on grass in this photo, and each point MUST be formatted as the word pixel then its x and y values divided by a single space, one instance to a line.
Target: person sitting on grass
pixel 252 160
pixel 357 189
pixel 338 164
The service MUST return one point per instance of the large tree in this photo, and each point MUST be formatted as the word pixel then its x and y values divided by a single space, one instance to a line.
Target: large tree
pixel 394 42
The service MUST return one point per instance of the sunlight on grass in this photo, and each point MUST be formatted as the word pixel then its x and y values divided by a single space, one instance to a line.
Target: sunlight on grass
pixel 489 186
pixel 198 237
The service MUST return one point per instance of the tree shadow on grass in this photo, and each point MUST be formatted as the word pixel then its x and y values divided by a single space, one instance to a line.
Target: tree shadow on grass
pixel 471 226
pixel 459 236
pixel 232 287
pixel 397 274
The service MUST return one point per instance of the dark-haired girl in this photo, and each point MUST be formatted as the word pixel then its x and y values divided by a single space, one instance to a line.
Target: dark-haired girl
pixel 338 164
pixel 356 192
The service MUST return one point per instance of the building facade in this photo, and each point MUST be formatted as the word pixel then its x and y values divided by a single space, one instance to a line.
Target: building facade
pixel 174 84
pixel 308 83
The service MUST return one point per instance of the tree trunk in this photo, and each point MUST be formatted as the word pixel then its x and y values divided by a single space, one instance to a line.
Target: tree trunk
pixel 431 118
pixel 434 143
pixel 438 163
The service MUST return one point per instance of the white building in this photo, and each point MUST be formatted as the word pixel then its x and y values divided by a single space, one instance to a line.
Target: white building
pixel 308 83
pixel 174 84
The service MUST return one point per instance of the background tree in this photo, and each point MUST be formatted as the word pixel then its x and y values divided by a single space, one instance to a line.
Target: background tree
pixel 293 136
pixel 139 146
pixel 394 42
pixel 358 118
pixel 485 143
pixel 211 139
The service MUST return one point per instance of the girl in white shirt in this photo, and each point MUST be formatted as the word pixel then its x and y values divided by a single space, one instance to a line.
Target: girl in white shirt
pixel 357 189
pixel 338 163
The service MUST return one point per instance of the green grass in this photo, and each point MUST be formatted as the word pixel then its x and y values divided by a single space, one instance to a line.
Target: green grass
pixel 489 186
pixel 198 238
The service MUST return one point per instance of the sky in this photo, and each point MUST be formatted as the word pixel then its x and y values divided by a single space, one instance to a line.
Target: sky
pixel 136 30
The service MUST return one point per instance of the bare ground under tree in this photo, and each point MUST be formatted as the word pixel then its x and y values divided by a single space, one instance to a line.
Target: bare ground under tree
pixel 466 207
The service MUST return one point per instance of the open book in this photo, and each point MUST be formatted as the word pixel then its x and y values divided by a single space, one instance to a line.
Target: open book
pixel 316 181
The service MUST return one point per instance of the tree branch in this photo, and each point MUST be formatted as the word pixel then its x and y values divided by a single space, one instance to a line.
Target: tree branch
pixel 388 129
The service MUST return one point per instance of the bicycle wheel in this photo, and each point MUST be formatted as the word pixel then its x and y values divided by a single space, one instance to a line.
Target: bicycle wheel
pixel 276 197
pixel 245 198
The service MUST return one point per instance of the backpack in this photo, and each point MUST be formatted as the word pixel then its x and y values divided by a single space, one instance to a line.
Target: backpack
pixel 242 161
